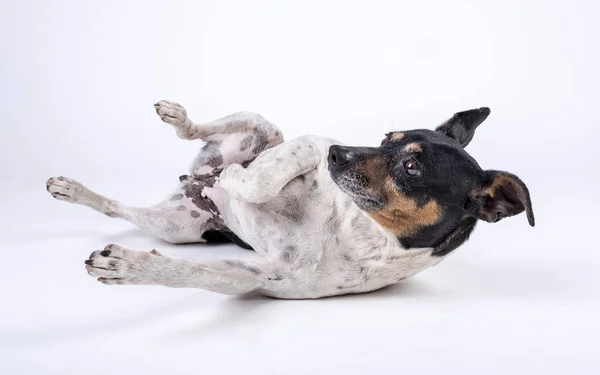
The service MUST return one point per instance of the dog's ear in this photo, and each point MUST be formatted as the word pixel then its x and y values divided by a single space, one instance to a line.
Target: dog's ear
pixel 501 195
pixel 461 127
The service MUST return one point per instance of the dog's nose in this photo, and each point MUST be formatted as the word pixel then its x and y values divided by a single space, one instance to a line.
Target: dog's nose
pixel 339 156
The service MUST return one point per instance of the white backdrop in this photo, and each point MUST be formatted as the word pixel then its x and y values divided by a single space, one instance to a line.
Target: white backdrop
pixel 77 84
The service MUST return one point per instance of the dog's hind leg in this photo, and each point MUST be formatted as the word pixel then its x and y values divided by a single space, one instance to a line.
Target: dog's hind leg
pixel 179 219
pixel 238 138
pixel 117 265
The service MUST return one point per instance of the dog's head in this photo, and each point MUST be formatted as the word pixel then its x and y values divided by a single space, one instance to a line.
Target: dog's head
pixel 425 188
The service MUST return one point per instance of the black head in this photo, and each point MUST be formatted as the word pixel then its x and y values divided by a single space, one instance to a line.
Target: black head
pixel 425 188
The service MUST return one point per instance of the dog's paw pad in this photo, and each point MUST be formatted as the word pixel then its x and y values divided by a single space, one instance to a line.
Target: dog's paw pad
pixel 115 265
pixel 65 189
pixel 172 113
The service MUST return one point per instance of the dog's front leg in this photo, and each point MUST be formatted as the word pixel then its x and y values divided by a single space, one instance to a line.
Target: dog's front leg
pixel 116 265
pixel 264 178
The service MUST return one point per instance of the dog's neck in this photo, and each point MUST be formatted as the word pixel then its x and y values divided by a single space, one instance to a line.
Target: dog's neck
pixel 442 244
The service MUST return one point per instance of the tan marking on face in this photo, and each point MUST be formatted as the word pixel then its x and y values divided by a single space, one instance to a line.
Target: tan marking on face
pixel 375 171
pixel 413 147
pixel 402 216
pixel 396 136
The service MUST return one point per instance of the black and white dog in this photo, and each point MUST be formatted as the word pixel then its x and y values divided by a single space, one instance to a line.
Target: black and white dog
pixel 325 219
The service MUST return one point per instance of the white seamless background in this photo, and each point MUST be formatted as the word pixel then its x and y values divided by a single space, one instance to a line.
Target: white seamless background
pixel 77 84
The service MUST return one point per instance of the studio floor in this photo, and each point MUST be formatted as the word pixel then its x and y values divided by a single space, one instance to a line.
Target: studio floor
pixel 513 300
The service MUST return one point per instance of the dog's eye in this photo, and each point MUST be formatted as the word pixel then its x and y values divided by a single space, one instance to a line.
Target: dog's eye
pixel 411 167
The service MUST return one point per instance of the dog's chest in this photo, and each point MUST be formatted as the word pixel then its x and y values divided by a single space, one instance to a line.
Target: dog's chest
pixel 319 242
pixel 303 212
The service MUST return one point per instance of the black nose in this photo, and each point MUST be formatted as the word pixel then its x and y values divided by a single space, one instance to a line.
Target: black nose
pixel 339 156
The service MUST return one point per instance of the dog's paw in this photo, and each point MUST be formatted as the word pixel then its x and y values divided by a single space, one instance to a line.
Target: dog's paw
pixel 116 265
pixel 172 113
pixel 66 189
pixel 246 186
pixel 232 180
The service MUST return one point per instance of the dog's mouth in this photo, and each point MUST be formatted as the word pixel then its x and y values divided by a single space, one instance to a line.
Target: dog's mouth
pixel 357 188
pixel 347 169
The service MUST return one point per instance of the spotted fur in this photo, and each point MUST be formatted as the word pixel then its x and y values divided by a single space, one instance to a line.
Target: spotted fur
pixel 325 219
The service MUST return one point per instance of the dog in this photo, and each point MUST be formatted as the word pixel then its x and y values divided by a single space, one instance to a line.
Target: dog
pixel 325 219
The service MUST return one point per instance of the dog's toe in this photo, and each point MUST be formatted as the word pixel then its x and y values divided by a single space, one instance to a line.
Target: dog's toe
pixel 62 188
pixel 111 281
pixel 170 112
pixel 106 264
pixel 115 265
